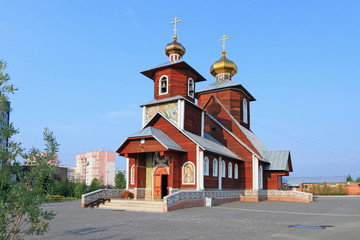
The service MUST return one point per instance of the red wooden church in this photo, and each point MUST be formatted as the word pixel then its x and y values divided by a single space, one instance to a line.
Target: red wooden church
pixel 205 146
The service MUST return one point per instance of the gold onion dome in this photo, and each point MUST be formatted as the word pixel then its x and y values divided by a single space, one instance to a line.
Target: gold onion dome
pixel 175 48
pixel 223 65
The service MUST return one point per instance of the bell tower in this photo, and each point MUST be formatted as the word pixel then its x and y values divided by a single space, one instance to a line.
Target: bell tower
pixel 233 96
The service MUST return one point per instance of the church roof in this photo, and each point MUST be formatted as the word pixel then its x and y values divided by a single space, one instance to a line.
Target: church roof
pixel 220 84
pixel 211 146
pixel 278 160
pixel 157 101
pixel 204 143
pixel 295 181
pixel 160 136
pixel 179 64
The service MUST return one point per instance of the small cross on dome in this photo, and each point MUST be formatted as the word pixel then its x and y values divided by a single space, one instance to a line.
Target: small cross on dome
pixel 223 39
pixel 176 20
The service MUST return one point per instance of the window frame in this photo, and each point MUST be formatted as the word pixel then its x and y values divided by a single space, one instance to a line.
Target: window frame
pixel 215 167
pixel 193 85
pixel 236 171
pixel 230 169
pixel 161 79
pixel 245 111
pixel 206 166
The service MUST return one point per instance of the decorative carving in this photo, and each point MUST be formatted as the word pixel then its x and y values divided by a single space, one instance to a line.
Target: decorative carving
pixel 160 165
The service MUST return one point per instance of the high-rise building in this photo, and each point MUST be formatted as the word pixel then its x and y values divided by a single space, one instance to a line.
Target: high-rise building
pixel 96 164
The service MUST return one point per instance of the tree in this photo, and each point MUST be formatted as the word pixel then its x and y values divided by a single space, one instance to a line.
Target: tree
pixel 22 189
pixel 120 182
pixel 80 189
pixel 349 178
pixel 95 185
pixel 357 180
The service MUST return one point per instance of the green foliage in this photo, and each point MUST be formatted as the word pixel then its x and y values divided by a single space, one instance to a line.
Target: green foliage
pixel 357 180
pixel 120 182
pixel 80 189
pixel 349 178
pixel 22 189
pixel 95 185
pixel 64 188
pixel 326 189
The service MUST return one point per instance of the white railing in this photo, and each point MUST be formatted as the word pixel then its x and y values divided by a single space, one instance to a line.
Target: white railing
pixel 101 193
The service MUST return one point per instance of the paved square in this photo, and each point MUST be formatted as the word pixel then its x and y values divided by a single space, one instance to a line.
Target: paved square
pixel 236 220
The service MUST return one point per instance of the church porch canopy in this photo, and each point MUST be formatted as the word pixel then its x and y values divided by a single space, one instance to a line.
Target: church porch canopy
pixel 149 139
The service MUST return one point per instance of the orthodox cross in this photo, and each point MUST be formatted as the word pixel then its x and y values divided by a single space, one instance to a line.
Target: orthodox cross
pixel 223 39
pixel 176 20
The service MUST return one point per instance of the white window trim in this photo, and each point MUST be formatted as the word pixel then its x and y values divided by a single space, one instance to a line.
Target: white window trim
pixel 193 83
pixel 167 84
pixel 236 171
pixel 223 169
pixel 215 173
pixel 182 175
pixel 230 169
pixel 206 166
pixel 245 111
pixel 132 176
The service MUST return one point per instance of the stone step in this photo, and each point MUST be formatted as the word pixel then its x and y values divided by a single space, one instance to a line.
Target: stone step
pixel 133 205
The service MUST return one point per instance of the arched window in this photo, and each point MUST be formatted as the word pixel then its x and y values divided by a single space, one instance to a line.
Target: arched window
pixel 260 177
pixel 163 85
pixel 245 111
pixel 132 176
pixel 236 171
pixel 188 173
pixel 230 170
pixel 223 169
pixel 191 87
pixel 206 166
pixel 215 167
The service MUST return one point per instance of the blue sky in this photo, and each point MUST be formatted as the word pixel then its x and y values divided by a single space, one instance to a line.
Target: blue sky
pixel 77 65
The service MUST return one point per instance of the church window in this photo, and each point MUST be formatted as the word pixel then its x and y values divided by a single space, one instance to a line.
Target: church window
pixel 163 85
pixel 223 169
pixel 260 177
pixel 245 111
pixel 132 175
pixel 206 166
pixel 191 87
pixel 230 170
pixel 188 173
pixel 236 171
pixel 215 167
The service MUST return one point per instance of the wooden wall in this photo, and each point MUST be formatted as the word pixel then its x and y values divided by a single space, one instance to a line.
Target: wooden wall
pixel 192 122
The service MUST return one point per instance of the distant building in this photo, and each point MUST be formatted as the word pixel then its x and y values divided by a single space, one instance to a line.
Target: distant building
pixel 96 164
pixel 4 118
pixel 54 160
pixel 305 184
pixel 71 176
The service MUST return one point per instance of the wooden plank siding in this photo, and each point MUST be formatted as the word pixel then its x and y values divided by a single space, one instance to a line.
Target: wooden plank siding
pixel 245 175
pixel 273 179
pixel 185 143
pixel 177 83
pixel 192 119
pixel 150 145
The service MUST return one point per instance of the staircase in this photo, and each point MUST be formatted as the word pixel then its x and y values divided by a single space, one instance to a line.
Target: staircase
pixel 134 205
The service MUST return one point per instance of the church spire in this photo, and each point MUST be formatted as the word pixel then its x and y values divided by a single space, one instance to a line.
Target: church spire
pixel 223 68
pixel 175 50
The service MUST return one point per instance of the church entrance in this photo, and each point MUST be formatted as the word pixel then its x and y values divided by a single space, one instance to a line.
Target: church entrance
pixel 160 180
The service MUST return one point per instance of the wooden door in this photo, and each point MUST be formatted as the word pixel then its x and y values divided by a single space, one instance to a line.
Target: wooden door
pixel 157 186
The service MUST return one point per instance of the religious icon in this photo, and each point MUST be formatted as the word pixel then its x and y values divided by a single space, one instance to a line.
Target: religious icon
pixel 189 173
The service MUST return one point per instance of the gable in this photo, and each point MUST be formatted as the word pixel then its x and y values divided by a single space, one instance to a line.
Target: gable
pixel 219 112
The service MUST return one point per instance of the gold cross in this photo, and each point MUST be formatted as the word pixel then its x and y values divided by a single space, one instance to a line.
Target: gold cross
pixel 176 20
pixel 223 39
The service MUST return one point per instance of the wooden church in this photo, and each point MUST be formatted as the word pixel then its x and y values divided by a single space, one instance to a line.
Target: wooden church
pixel 205 145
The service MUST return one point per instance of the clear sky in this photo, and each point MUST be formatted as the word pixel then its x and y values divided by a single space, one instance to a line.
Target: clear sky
pixel 77 65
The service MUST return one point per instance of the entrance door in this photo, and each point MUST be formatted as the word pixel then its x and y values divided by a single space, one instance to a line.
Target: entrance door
pixel 160 181
pixel 164 185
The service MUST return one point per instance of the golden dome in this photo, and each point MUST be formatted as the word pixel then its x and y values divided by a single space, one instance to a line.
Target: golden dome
pixel 175 48
pixel 223 65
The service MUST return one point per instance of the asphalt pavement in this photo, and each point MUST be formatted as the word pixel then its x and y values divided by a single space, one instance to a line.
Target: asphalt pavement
pixel 326 218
